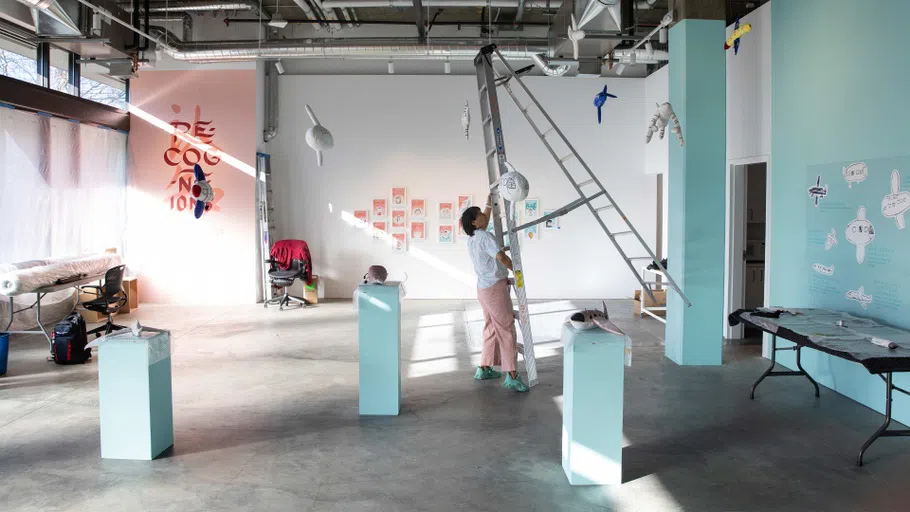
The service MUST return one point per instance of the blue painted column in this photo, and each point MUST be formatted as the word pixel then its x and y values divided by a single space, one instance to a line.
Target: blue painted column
pixel 379 342
pixel 694 335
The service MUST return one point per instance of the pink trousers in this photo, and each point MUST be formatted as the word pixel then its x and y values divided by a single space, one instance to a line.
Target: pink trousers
pixel 500 346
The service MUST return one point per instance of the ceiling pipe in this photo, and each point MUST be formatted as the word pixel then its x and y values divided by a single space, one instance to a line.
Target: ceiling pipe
pixel 642 56
pixel 191 6
pixel 645 4
pixel 308 12
pixel 203 6
pixel 380 49
pixel 327 12
pixel 185 19
pixel 549 69
pixel 493 4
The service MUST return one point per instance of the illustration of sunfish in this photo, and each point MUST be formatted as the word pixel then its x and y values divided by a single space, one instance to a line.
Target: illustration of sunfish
pixel 896 203
pixel 856 173
pixel 832 240
pixel 821 269
pixel 860 233
pixel 860 296
pixel 466 120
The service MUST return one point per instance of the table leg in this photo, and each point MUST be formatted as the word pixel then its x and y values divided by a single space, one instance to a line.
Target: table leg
pixel 883 430
pixel 799 365
pixel 50 342
pixel 10 324
pixel 771 373
pixel 770 368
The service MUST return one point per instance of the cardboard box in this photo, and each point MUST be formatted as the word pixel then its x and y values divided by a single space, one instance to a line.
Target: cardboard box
pixel 311 291
pixel 660 295
pixel 130 287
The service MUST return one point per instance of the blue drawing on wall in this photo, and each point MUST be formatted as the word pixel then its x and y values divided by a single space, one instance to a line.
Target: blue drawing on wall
pixel 852 191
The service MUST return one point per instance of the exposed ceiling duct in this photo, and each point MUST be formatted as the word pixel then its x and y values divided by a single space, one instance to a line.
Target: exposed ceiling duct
pixel 192 6
pixel 53 17
pixel 222 51
pixel 493 4
pixel 642 56
pixel 549 69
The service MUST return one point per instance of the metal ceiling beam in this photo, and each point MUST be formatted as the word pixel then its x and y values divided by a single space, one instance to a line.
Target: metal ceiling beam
pixel 421 23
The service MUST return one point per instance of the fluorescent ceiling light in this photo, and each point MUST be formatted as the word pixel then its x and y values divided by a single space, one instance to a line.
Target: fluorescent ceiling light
pixel 391 68
pixel 279 67
pixel 619 68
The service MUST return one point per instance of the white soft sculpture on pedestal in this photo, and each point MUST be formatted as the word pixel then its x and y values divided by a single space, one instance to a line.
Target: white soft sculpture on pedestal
pixel 663 117
pixel 318 137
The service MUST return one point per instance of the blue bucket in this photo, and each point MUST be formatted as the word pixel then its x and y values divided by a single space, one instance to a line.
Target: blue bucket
pixel 4 352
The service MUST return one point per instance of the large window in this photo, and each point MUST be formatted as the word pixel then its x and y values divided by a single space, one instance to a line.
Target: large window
pixel 18 61
pixel 97 86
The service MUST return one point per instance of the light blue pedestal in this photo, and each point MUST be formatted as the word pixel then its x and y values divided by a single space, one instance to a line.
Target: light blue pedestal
pixel 697 197
pixel 379 341
pixel 592 406
pixel 134 393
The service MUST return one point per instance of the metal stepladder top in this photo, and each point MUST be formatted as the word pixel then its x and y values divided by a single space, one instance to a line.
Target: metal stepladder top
pixel 598 201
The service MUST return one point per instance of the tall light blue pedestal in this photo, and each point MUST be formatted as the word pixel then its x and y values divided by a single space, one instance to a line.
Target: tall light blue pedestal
pixel 379 341
pixel 134 394
pixel 592 406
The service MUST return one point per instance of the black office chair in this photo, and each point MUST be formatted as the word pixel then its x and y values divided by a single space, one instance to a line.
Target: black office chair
pixel 284 279
pixel 110 299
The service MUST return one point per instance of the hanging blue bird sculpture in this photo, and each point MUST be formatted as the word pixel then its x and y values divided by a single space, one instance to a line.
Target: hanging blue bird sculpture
pixel 599 101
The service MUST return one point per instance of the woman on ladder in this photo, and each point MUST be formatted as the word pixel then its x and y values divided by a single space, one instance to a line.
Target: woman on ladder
pixel 500 346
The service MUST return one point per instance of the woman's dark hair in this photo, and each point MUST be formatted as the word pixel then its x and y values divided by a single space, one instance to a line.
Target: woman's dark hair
pixel 468 218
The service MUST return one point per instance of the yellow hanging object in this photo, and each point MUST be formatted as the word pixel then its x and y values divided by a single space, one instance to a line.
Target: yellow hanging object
pixel 738 33
pixel 519 280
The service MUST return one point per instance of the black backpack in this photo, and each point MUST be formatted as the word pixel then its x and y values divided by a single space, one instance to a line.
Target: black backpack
pixel 70 341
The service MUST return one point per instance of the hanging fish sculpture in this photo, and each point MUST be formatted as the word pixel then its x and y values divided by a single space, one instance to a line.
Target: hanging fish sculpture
pixel 466 120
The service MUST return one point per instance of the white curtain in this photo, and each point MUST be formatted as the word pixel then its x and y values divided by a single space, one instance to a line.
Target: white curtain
pixel 62 191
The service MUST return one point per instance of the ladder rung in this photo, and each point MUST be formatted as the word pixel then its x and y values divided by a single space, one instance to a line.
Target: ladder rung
pixel 525 109
pixel 621 233
pixel 488 119
pixel 563 159
pixel 607 207
pixel 494 184
pixel 651 282
pixel 585 183
pixel 639 258
pixel 491 152
pixel 548 132
pixel 483 87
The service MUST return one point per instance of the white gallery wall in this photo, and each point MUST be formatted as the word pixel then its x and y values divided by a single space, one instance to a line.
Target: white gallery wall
pixel 406 131
pixel 749 90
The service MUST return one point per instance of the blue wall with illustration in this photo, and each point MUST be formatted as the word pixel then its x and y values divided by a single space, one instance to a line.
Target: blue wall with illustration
pixel 838 100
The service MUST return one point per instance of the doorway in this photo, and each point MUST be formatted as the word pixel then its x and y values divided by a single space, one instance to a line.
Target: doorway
pixel 746 243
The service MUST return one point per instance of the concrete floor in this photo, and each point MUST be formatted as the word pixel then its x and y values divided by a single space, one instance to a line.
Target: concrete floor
pixel 265 408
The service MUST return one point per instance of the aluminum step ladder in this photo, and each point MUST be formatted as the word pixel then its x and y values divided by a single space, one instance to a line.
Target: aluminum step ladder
pixel 496 159
pixel 590 190
pixel 265 223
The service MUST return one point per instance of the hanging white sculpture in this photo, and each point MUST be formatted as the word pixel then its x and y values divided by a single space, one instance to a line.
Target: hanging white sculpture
pixel 663 117
pixel 575 35
pixel 466 120
pixel 318 137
